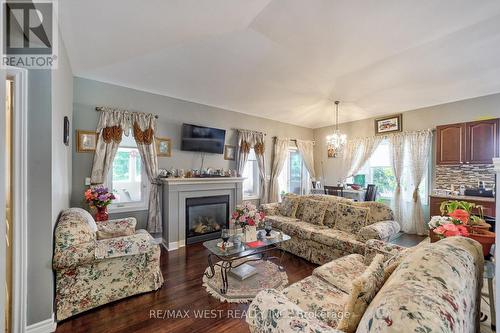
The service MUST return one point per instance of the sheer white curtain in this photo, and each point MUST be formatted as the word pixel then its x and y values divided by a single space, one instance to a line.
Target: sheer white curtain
pixel 397 150
pixel 280 151
pixel 357 153
pixel 306 150
pixel 419 145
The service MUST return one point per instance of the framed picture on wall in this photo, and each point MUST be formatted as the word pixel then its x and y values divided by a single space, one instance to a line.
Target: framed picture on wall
pixel 389 124
pixel 86 141
pixel 229 152
pixel 330 151
pixel 163 147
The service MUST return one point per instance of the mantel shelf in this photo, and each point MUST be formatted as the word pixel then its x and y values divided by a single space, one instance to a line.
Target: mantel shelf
pixel 202 180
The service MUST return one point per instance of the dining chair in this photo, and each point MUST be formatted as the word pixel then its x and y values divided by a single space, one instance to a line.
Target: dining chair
pixel 371 192
pixel 334 190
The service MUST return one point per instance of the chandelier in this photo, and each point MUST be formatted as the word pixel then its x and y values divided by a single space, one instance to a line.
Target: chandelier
pixel 337 140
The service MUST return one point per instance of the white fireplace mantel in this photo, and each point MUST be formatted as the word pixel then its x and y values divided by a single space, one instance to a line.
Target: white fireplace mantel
pixel 177 190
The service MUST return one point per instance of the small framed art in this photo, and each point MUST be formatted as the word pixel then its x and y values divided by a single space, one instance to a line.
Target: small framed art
pixel 389 124
pixel 229 153
pixel 163 147
pixel 86 141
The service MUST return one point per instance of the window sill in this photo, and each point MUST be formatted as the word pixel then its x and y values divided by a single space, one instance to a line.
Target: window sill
pixel 251 197
pixel 127 208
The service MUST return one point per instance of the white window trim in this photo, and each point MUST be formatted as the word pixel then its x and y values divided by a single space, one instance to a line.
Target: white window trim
pixel 135 206
pixel 256 195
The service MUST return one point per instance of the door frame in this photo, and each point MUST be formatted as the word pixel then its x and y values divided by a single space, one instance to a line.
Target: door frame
pixel 20 197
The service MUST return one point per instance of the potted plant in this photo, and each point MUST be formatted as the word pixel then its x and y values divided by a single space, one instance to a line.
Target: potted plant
pixel 459 218
pixel 99 198
pixel 446 226
pixel 247 216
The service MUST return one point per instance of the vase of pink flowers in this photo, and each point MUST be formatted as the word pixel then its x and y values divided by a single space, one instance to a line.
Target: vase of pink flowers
pixel 98 197
pixel 247 216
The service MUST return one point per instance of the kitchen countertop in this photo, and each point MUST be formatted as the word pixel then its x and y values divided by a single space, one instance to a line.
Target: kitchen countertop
pixel 463 197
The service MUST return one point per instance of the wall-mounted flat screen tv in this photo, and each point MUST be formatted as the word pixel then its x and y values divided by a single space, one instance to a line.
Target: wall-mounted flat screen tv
pixel 203 139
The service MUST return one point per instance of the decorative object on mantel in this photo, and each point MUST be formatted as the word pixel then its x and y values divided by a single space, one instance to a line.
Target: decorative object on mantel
pixel 197 173
pixel 99 198
pixel 336 141
pixel 459 221
pixel 163 147
pixel 389 124
pixel 85 141
pixel 229 153
pixel 248 217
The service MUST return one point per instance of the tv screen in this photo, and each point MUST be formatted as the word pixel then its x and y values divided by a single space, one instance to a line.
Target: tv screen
pixel 203 139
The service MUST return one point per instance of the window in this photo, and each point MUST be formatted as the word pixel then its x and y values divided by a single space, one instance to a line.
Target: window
pixel 127 178
pixel 251 175
pixel 378 171
pixel 294 177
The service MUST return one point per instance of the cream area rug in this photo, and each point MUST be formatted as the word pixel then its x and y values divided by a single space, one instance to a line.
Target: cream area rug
pixel 268 276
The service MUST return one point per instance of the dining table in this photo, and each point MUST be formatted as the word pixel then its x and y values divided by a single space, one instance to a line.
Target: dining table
pixel 349 193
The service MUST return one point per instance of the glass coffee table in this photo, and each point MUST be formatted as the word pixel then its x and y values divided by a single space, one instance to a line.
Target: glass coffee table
pixel 252 251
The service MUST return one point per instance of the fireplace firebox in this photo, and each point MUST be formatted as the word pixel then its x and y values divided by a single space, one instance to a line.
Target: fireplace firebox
pixel 206 217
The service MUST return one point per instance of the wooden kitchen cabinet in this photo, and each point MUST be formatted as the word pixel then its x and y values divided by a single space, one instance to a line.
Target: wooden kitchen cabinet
pixel 450 140
pixel 481 141
pixel 467 143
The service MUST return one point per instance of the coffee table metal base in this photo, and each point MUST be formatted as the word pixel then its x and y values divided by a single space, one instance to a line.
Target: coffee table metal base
pixel 227 263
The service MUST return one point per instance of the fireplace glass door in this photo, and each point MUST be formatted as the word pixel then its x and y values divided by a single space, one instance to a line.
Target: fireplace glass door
pixel 206 217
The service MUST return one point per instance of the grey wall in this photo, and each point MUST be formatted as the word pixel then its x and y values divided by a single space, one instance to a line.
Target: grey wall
pixel 62 105
pixel 430 117
pixel 173 113
pixel 49 177
pixel 40 283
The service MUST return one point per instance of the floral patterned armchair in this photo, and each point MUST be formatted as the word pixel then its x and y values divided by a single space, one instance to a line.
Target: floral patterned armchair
pixel 98 264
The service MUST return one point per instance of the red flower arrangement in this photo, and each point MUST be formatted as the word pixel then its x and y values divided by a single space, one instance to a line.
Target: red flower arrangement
pixel 461 215
pixel 449 230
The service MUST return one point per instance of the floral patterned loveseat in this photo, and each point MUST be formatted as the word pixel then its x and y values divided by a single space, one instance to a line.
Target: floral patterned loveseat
pixel 434 287
pixel 325 227
pixel 98 264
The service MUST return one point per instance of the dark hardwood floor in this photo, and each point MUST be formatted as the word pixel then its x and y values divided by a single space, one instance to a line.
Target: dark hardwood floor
pixel 407 240
pixel 182 291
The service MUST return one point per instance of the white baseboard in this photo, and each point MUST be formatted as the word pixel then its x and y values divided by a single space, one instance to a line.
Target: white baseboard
pixel 172 246
pixel 45 326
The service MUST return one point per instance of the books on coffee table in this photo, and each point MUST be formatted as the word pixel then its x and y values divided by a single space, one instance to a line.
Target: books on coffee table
pixel 243 272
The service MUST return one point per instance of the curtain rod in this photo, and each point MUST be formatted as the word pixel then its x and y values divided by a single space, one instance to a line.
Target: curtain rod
pixel 100 108
pixel 247 130
pixel 293 139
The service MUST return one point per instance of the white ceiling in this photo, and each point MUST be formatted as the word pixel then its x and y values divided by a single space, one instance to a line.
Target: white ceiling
pixel 285 59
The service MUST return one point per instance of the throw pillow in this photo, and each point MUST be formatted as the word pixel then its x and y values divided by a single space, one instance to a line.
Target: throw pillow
pixel 330 215
pixel 102 234
pixel 288 207
pixel 314 211
pixel 350 218
pixel 363 291
pixel 342 271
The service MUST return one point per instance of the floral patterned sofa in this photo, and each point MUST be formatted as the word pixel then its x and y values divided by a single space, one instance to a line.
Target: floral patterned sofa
pixel 98 264
pixel 324 227
pixel 434 287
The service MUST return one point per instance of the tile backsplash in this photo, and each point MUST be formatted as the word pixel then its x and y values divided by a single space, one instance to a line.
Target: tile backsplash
pixel 468 175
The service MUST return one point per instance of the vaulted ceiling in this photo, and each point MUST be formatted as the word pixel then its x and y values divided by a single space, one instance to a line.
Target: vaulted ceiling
pixel 288 59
